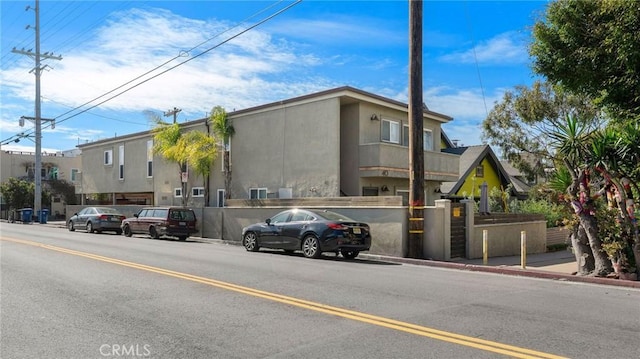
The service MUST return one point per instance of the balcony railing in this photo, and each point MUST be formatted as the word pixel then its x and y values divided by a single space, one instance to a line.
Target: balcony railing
pixel 390 160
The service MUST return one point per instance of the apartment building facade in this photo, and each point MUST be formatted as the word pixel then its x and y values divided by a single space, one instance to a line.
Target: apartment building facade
pixel 339 142
pixel 63 165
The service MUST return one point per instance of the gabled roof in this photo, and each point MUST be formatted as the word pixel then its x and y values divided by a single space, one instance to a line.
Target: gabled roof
pixel 470 158
pixel 445 138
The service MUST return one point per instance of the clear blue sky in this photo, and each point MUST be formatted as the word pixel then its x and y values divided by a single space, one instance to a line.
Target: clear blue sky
pixel 473 52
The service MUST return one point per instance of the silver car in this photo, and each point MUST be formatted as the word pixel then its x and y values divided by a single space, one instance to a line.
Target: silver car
pixel 96 219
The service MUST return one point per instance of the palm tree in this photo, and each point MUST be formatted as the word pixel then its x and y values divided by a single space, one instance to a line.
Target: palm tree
pixel 223 128
pixel 194 148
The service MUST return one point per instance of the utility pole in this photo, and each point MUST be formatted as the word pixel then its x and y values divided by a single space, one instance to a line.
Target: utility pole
pixel 416 140
pixel 173 113
pixel 37 203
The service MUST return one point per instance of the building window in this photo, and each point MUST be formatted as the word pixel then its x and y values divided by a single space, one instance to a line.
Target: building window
pixel 427 138
pixel 177 192
pixel 405 196
pixel 74 174
pixel 390 131
pixel 121 162
pixel 480 171
pixel 369 191
pixel 108 157
pixel 405 135
pixel 150 158
pixel 221 196
pixel 257 193
pixel 197 191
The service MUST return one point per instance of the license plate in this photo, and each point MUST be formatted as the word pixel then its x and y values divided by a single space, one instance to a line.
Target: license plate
pixel 183 223
pixel 356 230
pixel 115 219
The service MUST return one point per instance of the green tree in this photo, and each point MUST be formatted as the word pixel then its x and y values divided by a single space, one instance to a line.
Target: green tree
pixel 520 123
pixel 194 148
pixel 65 188
pixel 571 140
pixel 17 193
pixel 592 48
pixel 223 128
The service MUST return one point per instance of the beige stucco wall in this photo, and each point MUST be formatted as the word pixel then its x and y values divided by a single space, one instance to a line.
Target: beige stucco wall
pixel 295 147
pixel 504 239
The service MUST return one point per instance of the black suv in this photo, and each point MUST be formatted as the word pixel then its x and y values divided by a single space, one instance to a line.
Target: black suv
pixel 176 222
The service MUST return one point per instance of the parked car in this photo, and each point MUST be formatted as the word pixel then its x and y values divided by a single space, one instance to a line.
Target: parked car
pixel 176 222
pixel 312 232
pixel 96 219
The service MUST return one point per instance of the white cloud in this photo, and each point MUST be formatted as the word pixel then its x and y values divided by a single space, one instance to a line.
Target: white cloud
pixel 505 48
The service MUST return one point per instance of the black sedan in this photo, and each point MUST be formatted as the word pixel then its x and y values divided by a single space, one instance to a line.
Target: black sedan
pixel 312 232
pixel 96 219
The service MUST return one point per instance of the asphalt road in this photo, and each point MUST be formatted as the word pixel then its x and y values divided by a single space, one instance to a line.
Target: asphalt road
pixel 78 295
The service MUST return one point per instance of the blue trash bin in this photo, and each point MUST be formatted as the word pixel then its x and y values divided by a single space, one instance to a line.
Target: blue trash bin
pixel 42 215
pixel 26 215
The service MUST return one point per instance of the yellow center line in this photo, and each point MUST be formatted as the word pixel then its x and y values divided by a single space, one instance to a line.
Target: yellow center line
pixel 494 347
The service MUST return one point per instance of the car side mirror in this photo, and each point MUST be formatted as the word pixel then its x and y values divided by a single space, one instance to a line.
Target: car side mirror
pixel 135 215
pixel 268 221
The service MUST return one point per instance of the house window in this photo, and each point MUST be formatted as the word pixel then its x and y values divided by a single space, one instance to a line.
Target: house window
pixel 149 158
pixel 74 174
pixel 405 135
pixel 177 192
pixel 197 191
pixel 369 191
pixel 390 131
pixel 221 195
pixel 405 196
pixel 121 162
pixel 427 140
pixel 108 157
pixel 480 171
pixel 257 193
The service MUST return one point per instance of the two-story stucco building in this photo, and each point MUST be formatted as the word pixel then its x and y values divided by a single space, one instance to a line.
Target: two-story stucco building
pixel 61 165
pixel 339 142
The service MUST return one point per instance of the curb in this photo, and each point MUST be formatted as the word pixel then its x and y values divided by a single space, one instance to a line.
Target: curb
pixel 533 273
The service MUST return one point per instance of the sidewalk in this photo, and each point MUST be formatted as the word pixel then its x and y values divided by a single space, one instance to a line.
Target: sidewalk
pixel 560 265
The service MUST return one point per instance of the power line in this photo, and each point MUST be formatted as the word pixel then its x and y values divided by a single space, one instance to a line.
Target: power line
pixel 170 68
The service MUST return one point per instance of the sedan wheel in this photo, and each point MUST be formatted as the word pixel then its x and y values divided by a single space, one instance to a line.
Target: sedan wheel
pixel 250 242
pixel 127 231
pixel 89 227
pixel 311 247
pixel 71 227
pixel 349 254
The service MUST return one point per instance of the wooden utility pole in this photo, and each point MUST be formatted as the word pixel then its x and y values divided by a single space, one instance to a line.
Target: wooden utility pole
pixel 416 145
pixel 173 113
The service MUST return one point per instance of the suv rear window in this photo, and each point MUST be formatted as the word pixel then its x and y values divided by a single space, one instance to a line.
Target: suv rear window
pixel 180 215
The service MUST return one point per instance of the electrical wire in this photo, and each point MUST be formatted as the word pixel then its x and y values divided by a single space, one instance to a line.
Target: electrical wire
pixel 27 133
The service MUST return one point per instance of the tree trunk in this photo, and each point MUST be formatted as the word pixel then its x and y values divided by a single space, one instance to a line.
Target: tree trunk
pixel 582 251
pixel 636 255
pixel 227 176
pixel 602 262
